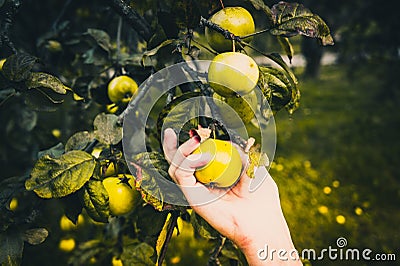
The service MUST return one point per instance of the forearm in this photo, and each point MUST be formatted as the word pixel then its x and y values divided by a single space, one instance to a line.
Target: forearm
pixel 271 246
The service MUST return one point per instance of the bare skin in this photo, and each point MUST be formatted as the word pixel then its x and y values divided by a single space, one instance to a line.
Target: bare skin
pixel 251 219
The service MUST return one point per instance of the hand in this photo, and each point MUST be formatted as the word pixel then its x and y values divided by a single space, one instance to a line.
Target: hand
pixel 250 218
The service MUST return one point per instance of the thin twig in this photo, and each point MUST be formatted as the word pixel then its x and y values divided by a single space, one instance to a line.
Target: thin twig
pixel 7 98
pixel 217 251
pixel 133 104
pixel 255 33
pixel 205 47
pixel 226 33
pixel 60 15
pixel 222 4
pixel 119 29
pixel 170 231
pixel 6 23
pixel 136 21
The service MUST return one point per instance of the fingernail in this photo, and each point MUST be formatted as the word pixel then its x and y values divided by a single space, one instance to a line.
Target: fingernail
pixel 197 138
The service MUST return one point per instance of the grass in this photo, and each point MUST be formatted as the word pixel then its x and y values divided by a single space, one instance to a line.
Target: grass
pixel 338 158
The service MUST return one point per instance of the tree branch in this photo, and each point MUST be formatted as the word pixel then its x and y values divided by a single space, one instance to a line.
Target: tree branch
pixel 136 21
pixel 11 8
pixel 226 33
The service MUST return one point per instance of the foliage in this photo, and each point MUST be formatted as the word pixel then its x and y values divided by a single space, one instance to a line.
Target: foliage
pixel 66 71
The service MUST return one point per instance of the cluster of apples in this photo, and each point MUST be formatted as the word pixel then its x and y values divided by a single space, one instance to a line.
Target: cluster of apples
pixel 233 75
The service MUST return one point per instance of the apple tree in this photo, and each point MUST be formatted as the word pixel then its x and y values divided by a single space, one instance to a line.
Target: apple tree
pixel 94 65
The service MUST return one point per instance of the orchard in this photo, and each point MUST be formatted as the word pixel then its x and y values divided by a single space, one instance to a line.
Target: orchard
pixel 85 187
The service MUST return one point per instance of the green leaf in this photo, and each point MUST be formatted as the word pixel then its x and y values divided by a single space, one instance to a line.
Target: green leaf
pixel 27 119
pixel 291 19
pixel 40 101
pixel 278 91
pixel 18 66
pixel 59 177
pixel 40 79
pixel 287 46
pixel 79 141
pixel 11 247
pixel 202 228
pixel 106 129
pixel 162 237
pixel 260 5
pixel 35 236
pixel 182 111
pixel 101 37
pixel 88 250
pixel 150 223
pixel 95 200
pixel 54 152
pixel 150 165
pixel 8 188
pixel 155 50
pixel 137 254
pixel 72 205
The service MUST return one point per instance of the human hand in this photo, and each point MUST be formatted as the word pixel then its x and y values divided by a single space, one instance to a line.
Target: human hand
pixel 251 218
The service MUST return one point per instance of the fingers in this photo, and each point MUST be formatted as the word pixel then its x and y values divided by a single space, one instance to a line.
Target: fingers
pixel 182 163
pixel 184 174
pixel 170 144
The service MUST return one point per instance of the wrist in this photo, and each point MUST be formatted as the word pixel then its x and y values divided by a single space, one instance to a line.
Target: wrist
pixel 271 245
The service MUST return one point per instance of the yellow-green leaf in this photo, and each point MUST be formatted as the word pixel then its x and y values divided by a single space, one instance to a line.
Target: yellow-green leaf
pixel 45 80
pixel 35 236
pixel 106 129
pixel 59 177
pixel 138 254
pixel 95 201
pixel 18 66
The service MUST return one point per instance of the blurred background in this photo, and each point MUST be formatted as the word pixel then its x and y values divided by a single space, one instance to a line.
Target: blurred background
pixel 337 157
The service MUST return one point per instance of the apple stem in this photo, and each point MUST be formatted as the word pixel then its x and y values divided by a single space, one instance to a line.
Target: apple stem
pixel 222 4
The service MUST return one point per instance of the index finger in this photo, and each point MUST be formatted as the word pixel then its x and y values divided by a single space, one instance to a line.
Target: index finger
pixel 170 143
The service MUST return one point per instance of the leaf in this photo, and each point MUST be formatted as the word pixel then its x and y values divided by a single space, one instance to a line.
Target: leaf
pixel 182 111
pixel 137 254
pixel 54 152
pixel 162 236
pixel 260 5
pixel 40 79
pixel 8 188
pixel 155 50
pixel 291 19
pixel 256 159
pixel 86 251
pixel 18 66
pixel 72 205
pixel 59 177
pixel 287 46
pixel 38 100
pixel 202 228
pixel 79 141
pixel 35 236
pixel 95 200
pixel 11 247
pixel 27 119
pixel 106 129
pixel 154 182
pixel 101 37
